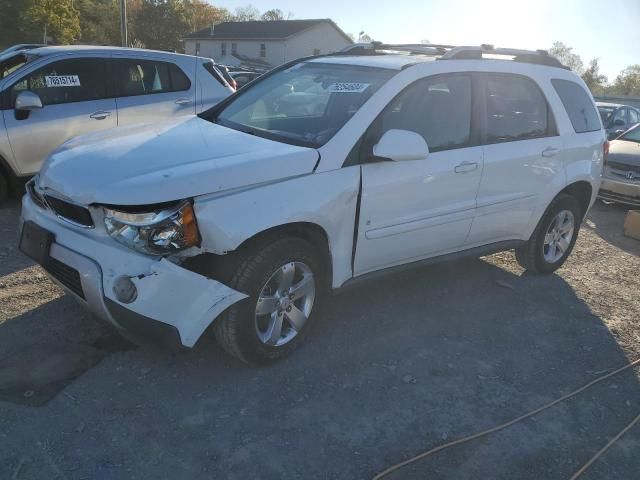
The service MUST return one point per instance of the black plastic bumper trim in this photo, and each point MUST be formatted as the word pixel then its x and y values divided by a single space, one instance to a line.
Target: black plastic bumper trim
pixel 144 330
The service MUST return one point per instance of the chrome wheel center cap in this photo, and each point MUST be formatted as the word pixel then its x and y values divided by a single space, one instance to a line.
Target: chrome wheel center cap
pixel 285 302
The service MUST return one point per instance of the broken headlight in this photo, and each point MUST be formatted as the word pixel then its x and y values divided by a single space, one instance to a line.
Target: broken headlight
pixel 160 231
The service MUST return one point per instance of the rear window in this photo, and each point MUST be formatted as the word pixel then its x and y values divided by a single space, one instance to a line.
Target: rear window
pixel 145 77
pixel 210 67
pixel 579 106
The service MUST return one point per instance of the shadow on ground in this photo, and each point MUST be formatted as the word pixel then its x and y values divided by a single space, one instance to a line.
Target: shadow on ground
pixel 606 221
pixel 392 368
pixel 10 259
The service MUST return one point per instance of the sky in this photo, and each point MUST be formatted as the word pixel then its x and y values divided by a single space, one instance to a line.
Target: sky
pixel 609 30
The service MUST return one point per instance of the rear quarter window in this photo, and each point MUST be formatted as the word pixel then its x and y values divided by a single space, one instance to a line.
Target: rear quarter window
pixel 579 106
pixel 213 71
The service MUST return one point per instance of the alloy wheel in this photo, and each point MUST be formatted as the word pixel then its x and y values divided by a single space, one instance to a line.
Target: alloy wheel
pixel 558 237
pixel 285 303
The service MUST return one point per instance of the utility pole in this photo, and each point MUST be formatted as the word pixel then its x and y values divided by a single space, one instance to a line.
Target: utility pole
pixel 123 23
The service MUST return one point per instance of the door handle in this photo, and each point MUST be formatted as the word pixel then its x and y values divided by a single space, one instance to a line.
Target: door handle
pixel 101 115
pixel 465 167
pixel 550 152
pixel 183 101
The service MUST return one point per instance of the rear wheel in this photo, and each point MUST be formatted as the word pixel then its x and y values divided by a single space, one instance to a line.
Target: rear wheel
pixel 284 282
pixel 554 237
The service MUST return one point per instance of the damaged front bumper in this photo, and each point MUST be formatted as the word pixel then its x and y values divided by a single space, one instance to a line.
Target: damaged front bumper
pixel 173 306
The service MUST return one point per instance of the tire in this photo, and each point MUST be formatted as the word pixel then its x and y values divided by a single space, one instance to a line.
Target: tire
pixel 239 329
pixel 4 188
pixel 535 256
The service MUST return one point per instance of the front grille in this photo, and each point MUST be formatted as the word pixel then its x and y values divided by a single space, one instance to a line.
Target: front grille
pixel 68 211
pixel 66 275
pixel 624 167
pixel 623 171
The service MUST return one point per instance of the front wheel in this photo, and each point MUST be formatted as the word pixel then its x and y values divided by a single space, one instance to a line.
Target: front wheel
pixel 553 239
pixel 284 282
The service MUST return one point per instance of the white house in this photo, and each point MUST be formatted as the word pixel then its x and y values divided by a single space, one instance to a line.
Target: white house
pixel 266 43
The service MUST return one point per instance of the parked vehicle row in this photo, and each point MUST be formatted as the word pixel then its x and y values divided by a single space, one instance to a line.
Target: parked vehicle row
pixel 617 118
pixel 319 174
pixel 51 94
pixel 621 175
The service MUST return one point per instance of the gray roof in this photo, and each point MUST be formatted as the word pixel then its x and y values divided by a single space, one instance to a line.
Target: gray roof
pixel 262 30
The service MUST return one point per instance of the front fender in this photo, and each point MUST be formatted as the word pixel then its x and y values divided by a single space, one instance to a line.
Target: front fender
pixel 327 199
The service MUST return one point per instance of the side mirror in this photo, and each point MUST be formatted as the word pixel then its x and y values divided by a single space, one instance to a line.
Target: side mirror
pixel 27 101
pixel 618 122
pixel 400 145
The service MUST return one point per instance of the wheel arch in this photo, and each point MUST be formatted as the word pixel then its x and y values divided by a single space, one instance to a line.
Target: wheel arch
pixel 582 191
pixel 311 232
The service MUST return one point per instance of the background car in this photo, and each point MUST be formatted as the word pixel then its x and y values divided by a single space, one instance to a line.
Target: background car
pixel 621 175
pixel 51 94
pixel 243 77
pixel 617 118
pixel 21 46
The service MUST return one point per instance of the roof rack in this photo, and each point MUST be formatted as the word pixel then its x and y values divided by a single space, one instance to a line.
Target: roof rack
pixel 452 52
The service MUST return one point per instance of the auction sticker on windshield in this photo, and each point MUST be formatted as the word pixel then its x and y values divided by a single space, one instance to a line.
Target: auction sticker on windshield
pixel 62 81
pixel 348 87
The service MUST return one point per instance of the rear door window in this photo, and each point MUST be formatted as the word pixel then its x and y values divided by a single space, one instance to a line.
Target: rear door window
pixel 516 109
pixel 65 81
pixel 579 106
pixel 633 117
pixel 147 77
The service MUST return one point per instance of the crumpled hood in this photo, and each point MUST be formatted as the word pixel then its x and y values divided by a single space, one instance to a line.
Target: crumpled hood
pixel 624 151
pixel 166 161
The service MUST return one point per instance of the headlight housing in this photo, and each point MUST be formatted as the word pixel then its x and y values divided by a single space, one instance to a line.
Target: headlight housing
pixel 160 231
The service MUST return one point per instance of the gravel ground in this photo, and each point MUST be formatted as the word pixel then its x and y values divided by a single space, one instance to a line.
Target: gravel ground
pixel 394 367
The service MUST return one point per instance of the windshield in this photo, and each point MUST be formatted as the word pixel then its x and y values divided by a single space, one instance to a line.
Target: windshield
pixel 10 63
pixel 605 113
pixel 305 104
pixel 632 135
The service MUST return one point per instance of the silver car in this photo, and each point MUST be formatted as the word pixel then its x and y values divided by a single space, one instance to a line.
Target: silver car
pixel 621 174
pixel 51 94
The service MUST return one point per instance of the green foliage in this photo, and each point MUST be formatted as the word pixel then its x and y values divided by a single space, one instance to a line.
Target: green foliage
pixel 11 26
pixel 58 19
pixel 99 21
pixel 565 54
pixel 157 24
pixel 160 24
pixel 595 80
pixel 628 82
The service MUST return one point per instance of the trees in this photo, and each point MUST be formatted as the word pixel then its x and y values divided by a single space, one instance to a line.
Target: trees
pixel 628 82
pixel 202 14
pixel 595 80
pixel 11 26
pixel 160 24
pixel 245 14
pixel 54 18
pixel 273 14
pixel 565 54
pixel 99 21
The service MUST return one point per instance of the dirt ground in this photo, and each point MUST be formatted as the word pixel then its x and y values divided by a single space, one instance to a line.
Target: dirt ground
pixel 393 368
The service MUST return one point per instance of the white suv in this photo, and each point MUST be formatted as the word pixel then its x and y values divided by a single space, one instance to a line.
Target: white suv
pixel 317 175
pixel 51 94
